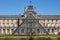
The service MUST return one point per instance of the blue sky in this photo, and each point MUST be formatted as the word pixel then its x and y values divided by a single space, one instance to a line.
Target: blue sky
pixel 16 7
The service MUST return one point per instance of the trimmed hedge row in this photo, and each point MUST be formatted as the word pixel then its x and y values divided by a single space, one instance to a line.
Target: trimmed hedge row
pixel 25 39
pixel 42 38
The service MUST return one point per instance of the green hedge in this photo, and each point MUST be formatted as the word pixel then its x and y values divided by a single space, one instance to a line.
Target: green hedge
pixel 44 38
pixel 25 39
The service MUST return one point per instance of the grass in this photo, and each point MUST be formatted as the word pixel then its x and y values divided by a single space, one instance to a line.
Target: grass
pixel 25 36
pixel 35 37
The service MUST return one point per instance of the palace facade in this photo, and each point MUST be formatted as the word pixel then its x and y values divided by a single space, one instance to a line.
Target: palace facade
pixel 30 23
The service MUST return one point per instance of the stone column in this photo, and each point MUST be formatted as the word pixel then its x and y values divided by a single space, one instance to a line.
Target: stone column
pixel 10 31
pixel 6 31
pixel 2 31
pixel 50 31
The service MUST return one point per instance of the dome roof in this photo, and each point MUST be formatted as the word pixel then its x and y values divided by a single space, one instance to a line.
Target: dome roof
pixel 30 8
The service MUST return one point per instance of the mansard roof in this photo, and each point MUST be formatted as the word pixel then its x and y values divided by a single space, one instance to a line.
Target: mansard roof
pixel 49 16
pixel 22 16
pixel 8 16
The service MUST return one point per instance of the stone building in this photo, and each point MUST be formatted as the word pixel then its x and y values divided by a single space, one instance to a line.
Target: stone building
pixel 30 23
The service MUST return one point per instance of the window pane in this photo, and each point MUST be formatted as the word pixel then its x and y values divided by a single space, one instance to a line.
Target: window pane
pixel 22 30
pixel 38 31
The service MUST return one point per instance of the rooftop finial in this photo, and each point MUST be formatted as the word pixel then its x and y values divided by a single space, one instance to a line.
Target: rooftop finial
pixel 30 2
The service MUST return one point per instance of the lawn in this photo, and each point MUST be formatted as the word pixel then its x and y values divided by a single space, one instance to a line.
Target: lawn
pixel 27 37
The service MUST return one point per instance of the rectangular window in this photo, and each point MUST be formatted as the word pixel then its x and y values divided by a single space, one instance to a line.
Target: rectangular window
pixel 52 30
pixel 48 30
pixel 38 31
pixel 4 31
pixel 8 31
pixel 12 30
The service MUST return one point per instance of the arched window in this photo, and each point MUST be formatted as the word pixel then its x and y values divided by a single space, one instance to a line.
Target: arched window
pixel 53 24
pixel 22 30
pixel 12 30
pixel 48 25
pixel 52 30
pixel 56 25
pixel 8 30
pixel 48 30
pixel 15 25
